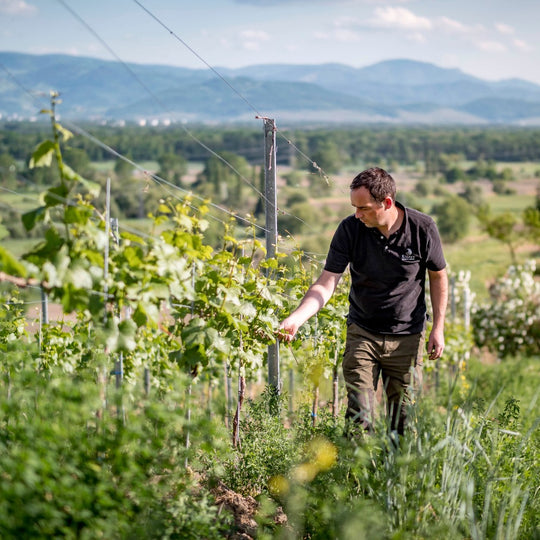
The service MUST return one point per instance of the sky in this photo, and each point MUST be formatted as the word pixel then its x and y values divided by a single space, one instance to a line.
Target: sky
pixel 491 39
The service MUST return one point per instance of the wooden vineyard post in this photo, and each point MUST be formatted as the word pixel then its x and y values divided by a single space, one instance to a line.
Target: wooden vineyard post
pixel 271 235
pixel 189 389
pixel 236 420
pixel 335 386
pixel 228 394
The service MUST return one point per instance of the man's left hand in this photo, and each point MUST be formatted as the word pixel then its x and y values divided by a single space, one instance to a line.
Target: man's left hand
pixel 435 346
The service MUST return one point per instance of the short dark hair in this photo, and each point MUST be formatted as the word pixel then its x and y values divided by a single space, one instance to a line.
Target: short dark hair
pixel 377 181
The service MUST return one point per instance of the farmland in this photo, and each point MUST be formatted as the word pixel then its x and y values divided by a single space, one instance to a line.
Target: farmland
pixel 120 419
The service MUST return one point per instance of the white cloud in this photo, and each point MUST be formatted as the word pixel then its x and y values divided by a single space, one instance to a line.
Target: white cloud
pixel 345 31
pixel 17 7
pixel 522 45
pixel 399 18
pixel 259 35
pixel 504 28
pixel 350 29
pixel 252 39
pixel 346 36
pixel 420 30
pixel 44 49
pixel 491 46
pixel 452 25
pixel 417 37
pixel 343 22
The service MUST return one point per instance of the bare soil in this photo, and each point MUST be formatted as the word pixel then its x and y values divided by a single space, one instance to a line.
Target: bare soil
pixel 244 510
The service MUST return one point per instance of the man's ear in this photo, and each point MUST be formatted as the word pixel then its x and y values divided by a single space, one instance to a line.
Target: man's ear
pixel 388 203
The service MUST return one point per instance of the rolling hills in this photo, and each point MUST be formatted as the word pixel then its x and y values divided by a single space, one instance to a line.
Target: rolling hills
pixel 393 91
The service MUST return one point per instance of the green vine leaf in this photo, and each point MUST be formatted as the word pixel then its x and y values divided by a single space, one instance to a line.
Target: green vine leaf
pixel 127 331
pixel 69 174
pixel 108 334
pixel 30 219
pixel 164 209
pixel 66 134
pixel 126 235
pixel 10 265
pixel 77 214
pixel 55 195
pixel 43 154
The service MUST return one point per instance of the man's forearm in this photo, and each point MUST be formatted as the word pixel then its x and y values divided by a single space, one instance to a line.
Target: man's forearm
pixel 315 298
pixel 438 288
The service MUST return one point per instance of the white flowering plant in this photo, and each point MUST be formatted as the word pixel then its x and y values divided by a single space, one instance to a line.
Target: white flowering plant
pixel 509 323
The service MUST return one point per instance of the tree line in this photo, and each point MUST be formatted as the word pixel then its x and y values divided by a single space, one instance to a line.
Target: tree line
pixel 403 144
pixel 435 152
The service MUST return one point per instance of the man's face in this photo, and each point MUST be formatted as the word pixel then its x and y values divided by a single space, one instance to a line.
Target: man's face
pixel 367 210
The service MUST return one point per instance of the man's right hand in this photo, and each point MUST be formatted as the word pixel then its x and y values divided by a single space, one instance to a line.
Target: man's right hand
pixel 315 298
pixel 287 329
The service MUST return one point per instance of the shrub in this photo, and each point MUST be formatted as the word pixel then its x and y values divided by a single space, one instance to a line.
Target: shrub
pixel 509 323
pixel 453 218
pixel 72 468
pixel 422 188
pixel 267 449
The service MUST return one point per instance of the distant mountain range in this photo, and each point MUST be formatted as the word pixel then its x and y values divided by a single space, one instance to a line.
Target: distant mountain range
pixel 394 91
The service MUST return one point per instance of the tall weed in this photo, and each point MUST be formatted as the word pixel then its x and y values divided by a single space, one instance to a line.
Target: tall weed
pixel 462 470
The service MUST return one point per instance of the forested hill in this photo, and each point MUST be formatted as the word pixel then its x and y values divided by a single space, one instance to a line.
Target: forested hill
pixel 395 91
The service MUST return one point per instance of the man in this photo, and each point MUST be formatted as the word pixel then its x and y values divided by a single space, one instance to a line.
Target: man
pixel 388 249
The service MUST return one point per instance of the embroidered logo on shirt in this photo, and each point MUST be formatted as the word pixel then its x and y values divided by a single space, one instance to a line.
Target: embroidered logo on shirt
pixel 408 256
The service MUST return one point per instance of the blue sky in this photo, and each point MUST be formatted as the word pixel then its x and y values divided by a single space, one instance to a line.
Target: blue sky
pixel 493 40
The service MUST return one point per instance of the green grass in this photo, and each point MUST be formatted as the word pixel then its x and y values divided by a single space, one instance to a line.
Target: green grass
pixel 21 202
pixel 514 204
pixel 514 377
pixel 108 166
pixel 499 204
pixel 103 166
pixel 520 169
pixel 485 258
pixel 455 475
pixel 525 169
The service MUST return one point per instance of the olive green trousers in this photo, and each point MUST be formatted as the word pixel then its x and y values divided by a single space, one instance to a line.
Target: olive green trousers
pixel 368 358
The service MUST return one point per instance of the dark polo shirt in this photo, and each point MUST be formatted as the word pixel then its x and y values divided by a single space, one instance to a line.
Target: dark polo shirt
pixel 388 275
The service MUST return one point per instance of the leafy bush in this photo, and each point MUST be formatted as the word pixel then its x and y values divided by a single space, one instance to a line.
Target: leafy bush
pixel 453 218
pixel 72 468
pixel 267 449
pixel 510 322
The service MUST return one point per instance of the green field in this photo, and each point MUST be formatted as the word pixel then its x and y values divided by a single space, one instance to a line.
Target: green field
pixel 510 203
pixel 108 166
pixel 485 258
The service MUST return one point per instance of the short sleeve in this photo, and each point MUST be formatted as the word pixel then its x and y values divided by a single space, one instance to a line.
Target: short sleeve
pixel 435 257
pixel 339 252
